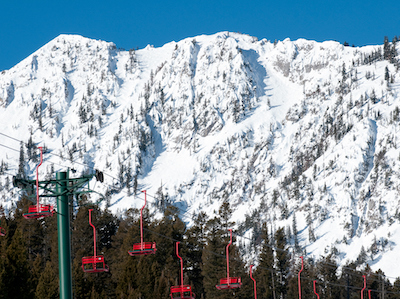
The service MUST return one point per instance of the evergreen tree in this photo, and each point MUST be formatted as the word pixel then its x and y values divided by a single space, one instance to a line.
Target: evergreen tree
pixel 327 269
pixel 387 75
pixel 40 121
pixel 196 240
pixel 282 262
pixel 350 278
pixel 82 113
pixel 32 230
pixel 88 284
pixel 48 286
pixel 295 233
pixel 225 214
pixel 214 258
pixel 172 227
pixel 394 290
pixel 21 165
pixel 36 269
pixel 14 278
pixel 214 266
pixel 124 266
pixel 30 149
pixel 293 280
pixel 265 270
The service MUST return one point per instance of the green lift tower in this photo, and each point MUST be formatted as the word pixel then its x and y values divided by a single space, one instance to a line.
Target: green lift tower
pixel 61 188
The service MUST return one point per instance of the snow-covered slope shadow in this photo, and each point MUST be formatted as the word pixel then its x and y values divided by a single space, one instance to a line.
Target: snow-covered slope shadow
pixel 158 146
pixel 259 73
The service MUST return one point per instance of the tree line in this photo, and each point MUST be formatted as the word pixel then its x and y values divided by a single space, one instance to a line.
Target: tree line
pixel 29 259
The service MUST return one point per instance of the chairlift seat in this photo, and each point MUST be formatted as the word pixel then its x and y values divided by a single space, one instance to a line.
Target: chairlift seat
pixel 92 264
pixel 185 292
pixel 2 232
pixel 39 211
pixel 231 283
pixel 143 249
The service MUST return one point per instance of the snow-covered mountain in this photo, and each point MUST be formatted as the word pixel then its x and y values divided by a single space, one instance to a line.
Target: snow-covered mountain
pixel 298 134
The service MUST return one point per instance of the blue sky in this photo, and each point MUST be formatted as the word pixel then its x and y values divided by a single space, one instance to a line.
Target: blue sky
pixel 25 26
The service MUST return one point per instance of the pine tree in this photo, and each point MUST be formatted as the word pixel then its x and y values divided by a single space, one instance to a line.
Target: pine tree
pixel 282 262
pixel 214 258
pixel 236 110
pixel 14 278
pixel 47 287
pixel 196 240
pixel 173 228
pixel 395 289
pixel 82 113
pixel 124 266
pixel 225 214
pixel 214 266
pixel 307 290
pixel 162 97
pixel 265 270
pixel 295 233
pixel 21 165
pixel 387 75
pixel 87 285
pixel 40 121
pixel 350 277
pixel 82 245
pixel 32 230
pixel 327 269
pixel 30 149
pixel 36 269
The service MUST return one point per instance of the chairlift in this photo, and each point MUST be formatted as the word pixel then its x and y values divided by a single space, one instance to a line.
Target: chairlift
pixel 95 263
pixel 185 291
pixel 143 248
pixel 229 282
pixel 39 211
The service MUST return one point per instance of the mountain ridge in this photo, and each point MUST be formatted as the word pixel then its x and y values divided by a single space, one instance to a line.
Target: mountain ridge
pixel 280 129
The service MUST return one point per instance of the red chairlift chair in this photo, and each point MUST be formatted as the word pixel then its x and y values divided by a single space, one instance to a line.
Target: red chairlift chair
pixel 143 248
pixel 229 282
pixel 185 291
pixel 39 211
pixel 95 263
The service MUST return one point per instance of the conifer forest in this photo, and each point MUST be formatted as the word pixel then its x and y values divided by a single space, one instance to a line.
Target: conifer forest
pixel 29 259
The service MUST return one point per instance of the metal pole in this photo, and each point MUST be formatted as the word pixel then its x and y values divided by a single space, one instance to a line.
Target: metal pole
pixel 255 285
pixel 365 286
pixel 227 258
pixel 94 233
pixel 301 270
pixel 177 254
pixel 315 289
pixel 37 178
pixel 141 221
pixel 64 240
